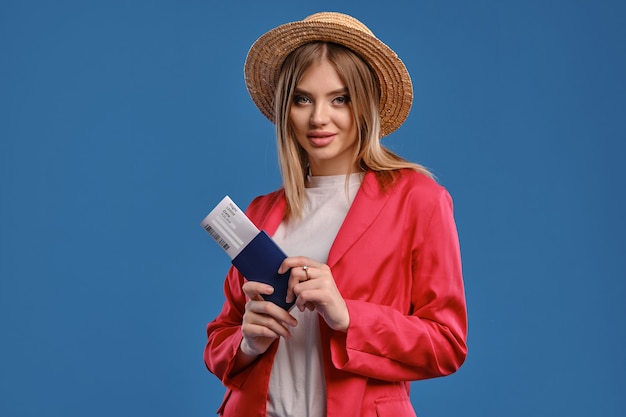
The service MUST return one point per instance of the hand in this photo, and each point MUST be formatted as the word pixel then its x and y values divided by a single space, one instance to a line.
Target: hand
pixel 315 289
pixel 263 321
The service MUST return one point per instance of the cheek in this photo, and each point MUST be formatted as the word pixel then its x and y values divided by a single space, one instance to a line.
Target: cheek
pixel 297 133
pixel 347 124
pixel 298 120
pixel 345 118
pixel 300 140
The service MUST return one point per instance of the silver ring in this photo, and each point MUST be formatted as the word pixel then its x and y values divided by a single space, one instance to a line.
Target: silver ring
pixel 306 270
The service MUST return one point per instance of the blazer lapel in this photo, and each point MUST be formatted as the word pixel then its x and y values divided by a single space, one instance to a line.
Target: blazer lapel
pixel 366 206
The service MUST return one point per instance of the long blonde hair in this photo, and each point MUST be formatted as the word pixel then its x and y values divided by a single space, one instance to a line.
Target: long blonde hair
pixel 364 94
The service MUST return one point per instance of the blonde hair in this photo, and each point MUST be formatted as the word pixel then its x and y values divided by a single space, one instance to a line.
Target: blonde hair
pixel 364 94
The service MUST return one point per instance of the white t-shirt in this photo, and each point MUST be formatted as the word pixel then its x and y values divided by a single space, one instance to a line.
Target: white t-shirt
pixel 297 386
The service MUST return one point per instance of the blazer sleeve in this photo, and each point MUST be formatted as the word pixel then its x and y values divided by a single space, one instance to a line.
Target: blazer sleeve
pixel 224 334
pixel 428 340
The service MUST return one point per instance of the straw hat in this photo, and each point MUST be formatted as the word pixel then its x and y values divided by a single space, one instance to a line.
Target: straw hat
pixel 269 51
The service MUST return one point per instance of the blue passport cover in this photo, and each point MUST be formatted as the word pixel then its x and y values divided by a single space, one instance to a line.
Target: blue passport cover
pixel 259 261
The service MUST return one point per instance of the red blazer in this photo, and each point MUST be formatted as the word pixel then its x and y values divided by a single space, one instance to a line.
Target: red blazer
pixel 396 262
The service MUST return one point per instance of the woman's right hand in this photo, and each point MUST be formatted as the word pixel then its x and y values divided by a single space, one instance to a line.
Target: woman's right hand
pixel 263 322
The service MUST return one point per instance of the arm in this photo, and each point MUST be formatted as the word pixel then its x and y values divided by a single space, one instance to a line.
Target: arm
pixel 224 333
pixel 235 341
pixel 427 339
pixel 223 355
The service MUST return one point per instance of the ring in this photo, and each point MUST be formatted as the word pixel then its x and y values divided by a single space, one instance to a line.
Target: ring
pixel 306 270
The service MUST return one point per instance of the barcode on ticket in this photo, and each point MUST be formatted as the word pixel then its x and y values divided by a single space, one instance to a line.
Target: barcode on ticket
pixel 224 244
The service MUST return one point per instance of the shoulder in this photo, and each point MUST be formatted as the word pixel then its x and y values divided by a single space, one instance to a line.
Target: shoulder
pixel 411 179
pixel 415 192
pixel 267 199
pixel 410 184
pixel 267 208
pixel 422 199
pixel 409 191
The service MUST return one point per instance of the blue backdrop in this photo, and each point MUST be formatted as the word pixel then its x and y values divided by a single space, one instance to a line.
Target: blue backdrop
pixel 122 123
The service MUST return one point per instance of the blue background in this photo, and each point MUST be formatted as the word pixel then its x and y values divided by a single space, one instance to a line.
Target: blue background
pixel 122 123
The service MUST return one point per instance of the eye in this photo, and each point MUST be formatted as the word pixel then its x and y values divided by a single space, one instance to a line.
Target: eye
pixel 300 99
pixel 342 100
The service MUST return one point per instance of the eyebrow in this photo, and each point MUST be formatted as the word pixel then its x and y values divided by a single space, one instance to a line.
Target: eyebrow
pixel 343 90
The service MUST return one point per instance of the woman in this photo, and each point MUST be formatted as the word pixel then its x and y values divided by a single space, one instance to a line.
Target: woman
pixel 372 244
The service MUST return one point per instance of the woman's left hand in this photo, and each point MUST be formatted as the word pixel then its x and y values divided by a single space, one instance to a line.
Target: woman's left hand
pixel 312 285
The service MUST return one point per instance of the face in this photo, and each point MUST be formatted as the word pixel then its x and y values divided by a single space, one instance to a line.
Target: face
pixel 322 120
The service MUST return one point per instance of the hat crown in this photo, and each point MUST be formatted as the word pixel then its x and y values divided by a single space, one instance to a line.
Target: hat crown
pixel 338 19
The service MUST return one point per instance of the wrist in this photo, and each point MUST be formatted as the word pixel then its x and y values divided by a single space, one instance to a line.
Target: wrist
pixel 244 357
pixel 347 318
pixel 343 327
pixel 246 349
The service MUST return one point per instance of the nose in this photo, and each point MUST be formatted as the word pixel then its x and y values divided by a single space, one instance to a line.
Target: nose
pixel 319 115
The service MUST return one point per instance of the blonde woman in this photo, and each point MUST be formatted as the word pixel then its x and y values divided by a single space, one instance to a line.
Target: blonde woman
pixel 374 260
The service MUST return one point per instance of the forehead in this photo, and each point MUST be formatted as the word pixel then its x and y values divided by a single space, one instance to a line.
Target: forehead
pixel 321 76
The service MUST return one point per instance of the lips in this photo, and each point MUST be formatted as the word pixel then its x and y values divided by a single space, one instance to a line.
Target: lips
pixel 321 138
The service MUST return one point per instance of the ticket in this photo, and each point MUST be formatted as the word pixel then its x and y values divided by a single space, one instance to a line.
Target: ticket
pixel 229 226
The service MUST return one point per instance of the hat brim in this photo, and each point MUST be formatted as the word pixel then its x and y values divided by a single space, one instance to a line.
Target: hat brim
pixel 267 54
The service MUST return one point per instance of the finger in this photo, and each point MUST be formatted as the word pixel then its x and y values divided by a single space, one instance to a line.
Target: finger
pixel 329 305
pixel 311 296
pixel 298 275
pixel 306 306
pixel 254 289
pixel 252 331
pixel 264 326
pixel 270 310
pixel 296 261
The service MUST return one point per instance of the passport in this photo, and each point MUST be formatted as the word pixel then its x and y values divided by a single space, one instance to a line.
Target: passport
pixel 252 251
